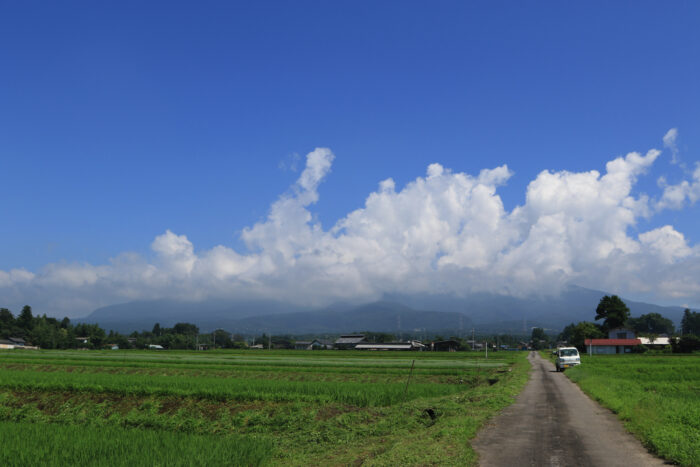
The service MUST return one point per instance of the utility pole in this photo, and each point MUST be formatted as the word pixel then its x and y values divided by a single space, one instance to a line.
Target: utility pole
pixel 472 338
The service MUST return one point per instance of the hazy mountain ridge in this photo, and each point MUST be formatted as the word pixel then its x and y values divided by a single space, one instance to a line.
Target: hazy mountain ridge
pixel 394 313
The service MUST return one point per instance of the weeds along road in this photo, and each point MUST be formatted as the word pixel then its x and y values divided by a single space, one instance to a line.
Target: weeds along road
pixel 553 423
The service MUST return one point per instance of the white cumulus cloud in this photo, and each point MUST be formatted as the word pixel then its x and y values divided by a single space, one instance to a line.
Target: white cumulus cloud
pixel 446 231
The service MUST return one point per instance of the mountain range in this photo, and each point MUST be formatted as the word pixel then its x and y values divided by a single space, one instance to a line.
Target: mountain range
pixel 395 313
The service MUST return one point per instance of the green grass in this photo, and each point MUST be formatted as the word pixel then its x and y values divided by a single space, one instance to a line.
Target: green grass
pixel 656 396
pixel 312 408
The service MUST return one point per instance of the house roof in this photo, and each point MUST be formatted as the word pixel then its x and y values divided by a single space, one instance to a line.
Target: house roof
pixel 595 342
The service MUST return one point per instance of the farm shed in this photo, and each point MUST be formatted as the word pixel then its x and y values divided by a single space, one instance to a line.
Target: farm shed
pixel 412 345
pixel 445 346
pixel 610 346
pixel 6 344
pixel 349 341
pixel 656 342
pixel 313 345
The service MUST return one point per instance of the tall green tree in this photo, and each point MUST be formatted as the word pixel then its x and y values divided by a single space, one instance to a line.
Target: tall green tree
pixel 186 329
pixel 25 320
pixel 690 323
pixel 576 334
pixel 6 318
pixel 539 338
pixel 651 323
pixel 613 311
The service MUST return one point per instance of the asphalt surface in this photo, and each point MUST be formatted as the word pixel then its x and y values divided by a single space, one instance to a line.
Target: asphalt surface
pixel 553 423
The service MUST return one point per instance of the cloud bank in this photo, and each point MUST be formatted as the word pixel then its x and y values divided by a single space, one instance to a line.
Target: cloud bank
pixel 444 232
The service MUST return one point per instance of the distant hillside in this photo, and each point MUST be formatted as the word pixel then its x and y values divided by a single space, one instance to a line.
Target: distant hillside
pixel 380 317
pixel 574 304
pixel 395 313
pixel 208 315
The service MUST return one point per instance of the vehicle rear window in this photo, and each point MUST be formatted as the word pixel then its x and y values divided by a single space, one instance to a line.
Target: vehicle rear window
pixel 568 353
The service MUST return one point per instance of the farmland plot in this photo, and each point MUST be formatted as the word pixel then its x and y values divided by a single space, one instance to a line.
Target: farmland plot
pixel 250 408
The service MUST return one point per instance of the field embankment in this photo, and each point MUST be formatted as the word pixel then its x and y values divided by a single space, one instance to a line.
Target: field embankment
pixel 250 408
pixel 656 396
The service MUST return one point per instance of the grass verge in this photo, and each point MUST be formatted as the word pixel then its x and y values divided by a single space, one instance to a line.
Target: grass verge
pixel 656 396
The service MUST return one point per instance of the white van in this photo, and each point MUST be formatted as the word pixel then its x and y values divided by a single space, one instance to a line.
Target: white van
pixel 567 357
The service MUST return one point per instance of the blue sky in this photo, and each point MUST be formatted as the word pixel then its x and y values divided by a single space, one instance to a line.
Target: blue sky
pixel 120 121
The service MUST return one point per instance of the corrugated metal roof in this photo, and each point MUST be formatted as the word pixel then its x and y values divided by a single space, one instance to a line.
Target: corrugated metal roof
pixel 657 341
pixel 612 342
pixel 350 339
pixel 384 346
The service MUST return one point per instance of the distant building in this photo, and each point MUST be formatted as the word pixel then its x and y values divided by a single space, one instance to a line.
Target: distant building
pixel 621 333
pixel 16 343
pixel 620 340
pixel 349 341
pixel 611 346
pixel 447 346
pixel 326 344
pixel 6 344
pixel 155 347
pixel 315 344
pixel 411 345
pixel 660 341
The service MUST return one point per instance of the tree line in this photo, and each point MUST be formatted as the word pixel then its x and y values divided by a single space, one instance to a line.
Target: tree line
pixel 614 313
pixel 51 333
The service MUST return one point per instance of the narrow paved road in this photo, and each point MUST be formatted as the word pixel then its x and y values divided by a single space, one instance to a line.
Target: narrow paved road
pixel 553 423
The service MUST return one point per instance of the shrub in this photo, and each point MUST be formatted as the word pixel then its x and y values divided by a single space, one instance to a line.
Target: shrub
pixel 686 344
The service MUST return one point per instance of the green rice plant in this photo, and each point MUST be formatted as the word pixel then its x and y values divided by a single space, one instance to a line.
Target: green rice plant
pixel 353 393
pixel 330 408
pixel 37 444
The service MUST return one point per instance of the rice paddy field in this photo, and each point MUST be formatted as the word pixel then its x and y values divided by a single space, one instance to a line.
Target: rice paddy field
pixel 249 407
pixel 656 396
